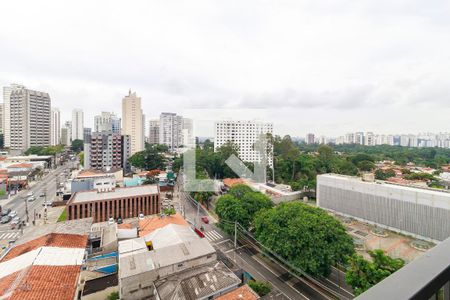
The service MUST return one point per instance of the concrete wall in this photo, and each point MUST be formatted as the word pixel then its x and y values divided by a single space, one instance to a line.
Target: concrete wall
pixel 418 212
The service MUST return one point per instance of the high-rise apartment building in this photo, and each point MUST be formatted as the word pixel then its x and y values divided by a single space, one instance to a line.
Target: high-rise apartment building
pixel 87 132
pixel 67 140
pixel 55 125
pixel 188 139
pixel 29 119
pixel 170 130
pixel 77 124
pixel 310 138
pixel 153 137
pixel 107 151
pixel 2 116
pixel 243 134
pixel 132 121
pixel 7 112
pixel 107 122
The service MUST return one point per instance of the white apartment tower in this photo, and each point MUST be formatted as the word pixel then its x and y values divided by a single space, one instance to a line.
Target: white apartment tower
pixel 107 122
pixel 133 121
pixel 188 133
pixel 55 127
pixel 29 119
pixel 77 124
pixel 171 130
pixel 2 117
pixel 244 134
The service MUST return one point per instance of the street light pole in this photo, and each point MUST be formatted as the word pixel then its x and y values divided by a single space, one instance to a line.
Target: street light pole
pixel 26 210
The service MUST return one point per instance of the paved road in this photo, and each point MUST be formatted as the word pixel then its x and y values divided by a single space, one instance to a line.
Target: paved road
pixel 46 185
pixel 248 260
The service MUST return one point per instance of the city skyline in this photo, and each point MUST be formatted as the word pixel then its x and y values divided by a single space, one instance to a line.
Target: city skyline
pixel 326 67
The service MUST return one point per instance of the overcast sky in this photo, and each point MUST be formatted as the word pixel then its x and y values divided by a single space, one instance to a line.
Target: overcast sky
pixel 326 67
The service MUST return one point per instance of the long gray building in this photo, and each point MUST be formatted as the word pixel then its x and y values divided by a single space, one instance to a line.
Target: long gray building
pixel 419 212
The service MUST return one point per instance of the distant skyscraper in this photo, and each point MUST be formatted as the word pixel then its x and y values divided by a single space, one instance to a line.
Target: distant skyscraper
pixel 170 130
pixel 310 138
pixel 7 112
pixel 107 122
pixel 153 137
pixel 132 121
pixel 55 125
pixel 29 114
pixel 66 133
pixel 77 124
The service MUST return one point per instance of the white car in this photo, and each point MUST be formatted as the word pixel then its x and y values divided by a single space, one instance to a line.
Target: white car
pixel 30 194
pixel 47 203
pixel 111 221
pixel 13 214
pixel 141 216
pixel 31 199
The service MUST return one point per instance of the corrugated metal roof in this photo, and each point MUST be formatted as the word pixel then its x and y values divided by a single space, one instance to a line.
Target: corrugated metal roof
pixel 170 235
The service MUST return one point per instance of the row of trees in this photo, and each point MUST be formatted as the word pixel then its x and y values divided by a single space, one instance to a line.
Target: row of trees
pixel 305 236
pixel 49 150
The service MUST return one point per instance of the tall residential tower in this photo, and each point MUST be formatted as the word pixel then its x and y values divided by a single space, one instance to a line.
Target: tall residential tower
pixel 133 121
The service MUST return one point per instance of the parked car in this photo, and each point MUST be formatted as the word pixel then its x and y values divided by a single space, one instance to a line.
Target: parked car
pixel 205 220
pixel 111 221
pixel 5 219
pixel 31 198
pixel 47 203
pixel 141 216
pixel 30 194
pixel 6 212
pixel 42 195
pixel 13 214
pixel 119 221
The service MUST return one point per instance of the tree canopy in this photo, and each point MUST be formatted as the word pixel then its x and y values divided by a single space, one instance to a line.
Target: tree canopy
pixel 306 236
pixel 148 159
pixel 40 150
pixel 240 205
pixel 363 274
pixel 77 146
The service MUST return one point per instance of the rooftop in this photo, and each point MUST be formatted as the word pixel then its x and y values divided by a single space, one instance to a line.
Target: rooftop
pixel 197 283
pixel 118 193
pixel 242 293
pixel 170 235
pixel 50 240
pixel 426 190
pixel 41 282
pixel 149 225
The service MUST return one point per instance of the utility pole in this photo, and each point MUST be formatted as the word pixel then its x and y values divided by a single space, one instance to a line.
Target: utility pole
pixel 26 210
pixel 235 234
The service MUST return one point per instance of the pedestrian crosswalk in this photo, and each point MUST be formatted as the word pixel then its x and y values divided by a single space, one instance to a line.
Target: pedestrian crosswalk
pixel 213 235
pixel 8 235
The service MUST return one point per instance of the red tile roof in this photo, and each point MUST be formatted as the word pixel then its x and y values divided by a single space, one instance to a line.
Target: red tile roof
pixel 149 225
pixel 21 165
pixel 229 182
pixel 242 293
pixel 52 239
pixel 47 282
pixel 6 282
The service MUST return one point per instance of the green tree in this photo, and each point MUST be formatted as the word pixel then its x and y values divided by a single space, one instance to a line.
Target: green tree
pixel 77 146
pixel 113 296
pixel 262 288
pixel 362 274
pixel 231 209
pixel 383 175
pixel 306 236
pixel 366 165
pixel 149 159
